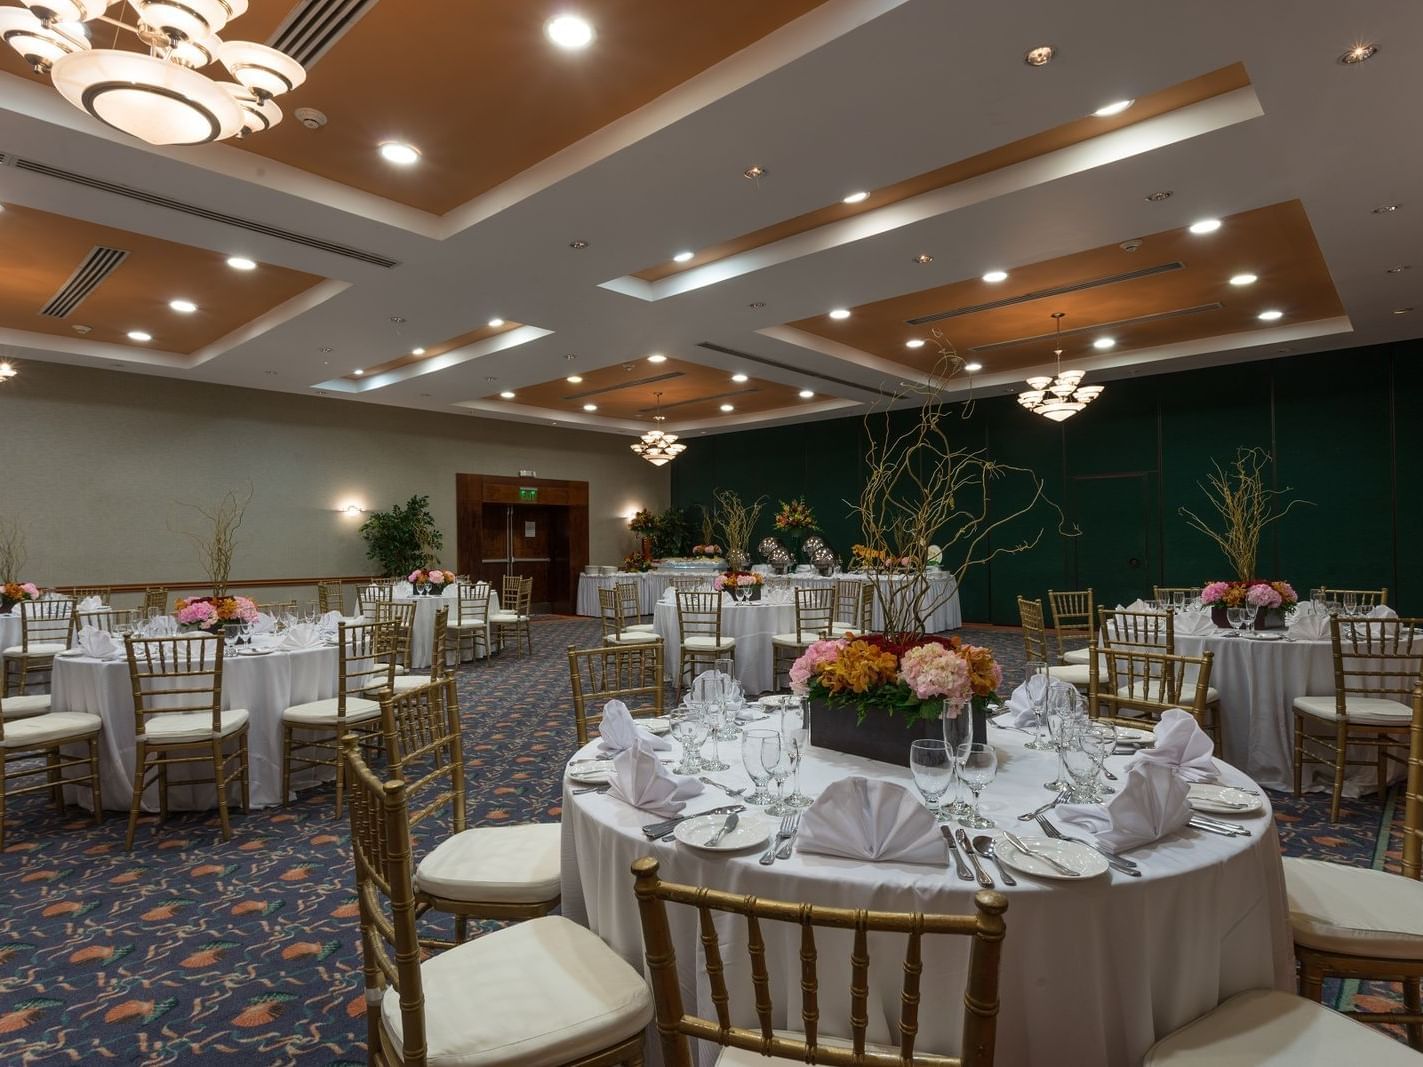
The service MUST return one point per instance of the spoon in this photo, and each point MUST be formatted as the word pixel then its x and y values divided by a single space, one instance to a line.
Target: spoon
pixel 983 845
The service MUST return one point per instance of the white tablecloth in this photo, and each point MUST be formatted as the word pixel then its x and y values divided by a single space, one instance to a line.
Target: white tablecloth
pixel 422 638
pixel 9 629
pixel 264 685
pixel 752 623
pixel 1092 972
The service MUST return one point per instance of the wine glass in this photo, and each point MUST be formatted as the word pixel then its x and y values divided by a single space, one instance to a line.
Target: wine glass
pixel 751 741
pixel 1234 614
pixel 1104 734
pixel 795 729
pixel 958 731
pixel 1081 769
pixel 933 768
pixel 1035 675
pixel 775 758
pixel 710 714
pixel 688 728
pixel 1351 603
pixel 1060 718
pixel 978 766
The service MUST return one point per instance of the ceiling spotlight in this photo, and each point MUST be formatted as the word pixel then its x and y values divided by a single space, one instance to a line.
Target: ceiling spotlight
pixel 973 368
pixel 739 378
pixel 657 357
pixel 183 307
pixel 996 276
pixel 914 342
pixel 806 394
pixel 1402 311
pixel 401 154
pixel 577 244
pixel 856 198
pixel 1114 108
pixel 1360 53
pixel 358 372
pixel 417 351
pixel 241 263
pixel 139 335
pixel 590 407
pixel 1398 269
pixel 1158 196
pixel 683 256
pixel 1104 343
pixel 728 407
pixel 494 324
pixel 1205 226
pixel 569 31
pixel 1386 209
pixel 923 259
pixel 839 313
pixel 1270 316
pixel 507 394
pixel 754 171
pixel 574 379
pixel 1243 279
pixel 1040 56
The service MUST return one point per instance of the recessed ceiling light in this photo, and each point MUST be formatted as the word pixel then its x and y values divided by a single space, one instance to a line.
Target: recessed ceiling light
pixel 1270 316
pixel 1205 226
pixel 417 351
pixel 728 407
pixel 1104 343
pixel 577 244
pixel 657 357
pixel 739 378
pixel 139 335
pixel 923 259
pixel 1402 311
pixel 507 394
pixel 574 379
pixel 1360 53
pixel 1399 269
pixel 1158 196
pixel 183 307
pixel 996 276
pixel 494 324
pixel 1040 56
pixel 1243 279
pixel 358 372
pixel 399 153
pixel 756 305
pixel 806 394
pixel 1116 107
pixel 839 313
pixel 754 171
pixel 914 342
pixel 973 368
pixel 856 198
pixel 241 263
pixel 569 31
pixel 590 407
pixel 1386 209
pixel 683 256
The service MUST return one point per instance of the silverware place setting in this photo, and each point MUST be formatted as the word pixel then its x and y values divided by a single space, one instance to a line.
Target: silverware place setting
pixel 783 840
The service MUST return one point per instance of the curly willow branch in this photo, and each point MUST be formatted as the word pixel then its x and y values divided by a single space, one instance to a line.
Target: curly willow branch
pixel 216 543
pixel 736 521
pixel 1245 507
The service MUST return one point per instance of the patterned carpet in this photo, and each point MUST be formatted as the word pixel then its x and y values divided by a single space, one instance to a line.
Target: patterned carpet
pixel 197 951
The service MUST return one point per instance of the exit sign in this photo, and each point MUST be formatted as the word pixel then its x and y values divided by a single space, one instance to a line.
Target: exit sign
pixel 526 493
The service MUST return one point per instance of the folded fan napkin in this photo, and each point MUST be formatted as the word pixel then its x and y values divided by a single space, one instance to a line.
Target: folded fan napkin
pixel 712 686
pixel 451 589
pixel 302 636
pixel 871 819
pixel 1194 624
pixel 402 589
pixel 98 643
pixel 1309 626
pixel 329 623
pixel 1149 804
pixel 1024 703
pixel 1136 605
pixel 620 733
pixel 1382 611
pixel 264 623
pixel 1182 746
pixel 91 603
pixel 640 779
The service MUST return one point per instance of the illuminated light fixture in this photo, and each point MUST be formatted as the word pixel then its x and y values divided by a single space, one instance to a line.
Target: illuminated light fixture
pixel 417 351
pixel 1398 269
pixel 839 313
pixel 1386 209
pixel 494 324
pixel 358 372
pixel 923 259
pixel 590 407
pixel 1040 56
pixel 354 509
pixel 1270 316
pixel 183 307
pixel 682 257
pixel 139 335
pixel 754 171
pixel 241 263
pixel 973 368
pixel 574 379
pixel 1104 343
pixel 39 44
pixel 739 378
pixel 656 447
pixel 1243 279
pixel 569 31
pixel 806 394
pixel 914 342
pixel 507 395
pixel 1396 311
pixel 1360 53
pixel 657 357
pixel 1060 397
pixel 1106 111
pixel 259 114
pixel 7 371
pixel 995 276
pixel 399 153
pixel 1205 226
pixel 727 408
pixel 856 198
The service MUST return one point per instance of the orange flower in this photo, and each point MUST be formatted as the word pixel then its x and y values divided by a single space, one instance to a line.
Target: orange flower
pixel 860 667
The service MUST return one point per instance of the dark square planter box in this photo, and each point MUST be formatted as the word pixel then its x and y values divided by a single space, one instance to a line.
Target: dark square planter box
pixel 880 737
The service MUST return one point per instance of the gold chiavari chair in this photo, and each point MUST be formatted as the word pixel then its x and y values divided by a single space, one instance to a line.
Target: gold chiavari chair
pixel 630 603
pixel 1167 594
pixel 372 594
pixel 1030 617
pixel 1364 599
pixel 1377 662
pixel 471 621
pixel 310 731
pixel 630 673
pixel 1155 631
pixel 179 721
pixel 1137 686
pixel 699 631
pixel 776 584
pixel 814 612
pixel 330 596
pixel 34 745
pixel 439 667
pixel 155 600
pixel 46 628
pixel 81 593
pixel 763 1042
pixel 854 607
pixel 112 620
pixel 616 630
pixel 514 621
pixel 564 997
pixel 401 614
pixel 1074 620
pixel 485 872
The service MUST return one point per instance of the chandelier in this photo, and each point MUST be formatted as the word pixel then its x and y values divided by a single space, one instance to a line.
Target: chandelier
pixel 1063 396
pixel 655 446
pixel 159 96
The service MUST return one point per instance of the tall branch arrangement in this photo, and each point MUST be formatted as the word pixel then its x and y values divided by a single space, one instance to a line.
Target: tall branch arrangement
pixel 736 521
pixel 1245 507
pixel 13 554
pixel 920 491
pixel 216 540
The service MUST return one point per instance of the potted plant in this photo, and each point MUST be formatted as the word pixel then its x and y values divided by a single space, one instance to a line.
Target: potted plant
pixel 403 539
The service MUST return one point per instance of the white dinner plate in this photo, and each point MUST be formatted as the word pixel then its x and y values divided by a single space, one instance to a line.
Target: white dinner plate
pixel 69 653
pixel 778 700
pixel 247 651
pixel 1265 635
pixel 1223 800
pixel 656 727
pixel 1073 854
pixel 591 771
pixel 750 832
pixel 1132 735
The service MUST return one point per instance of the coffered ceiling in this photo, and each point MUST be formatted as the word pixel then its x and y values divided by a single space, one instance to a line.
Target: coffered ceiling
pixel 555 187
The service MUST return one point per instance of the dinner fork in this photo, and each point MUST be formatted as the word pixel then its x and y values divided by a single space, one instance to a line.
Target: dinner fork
pixel 785 850
pixel 785 833
pixel 1117 863
pixel 724 788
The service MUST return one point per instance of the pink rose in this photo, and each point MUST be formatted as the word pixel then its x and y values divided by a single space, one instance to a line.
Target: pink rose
pixel 31 590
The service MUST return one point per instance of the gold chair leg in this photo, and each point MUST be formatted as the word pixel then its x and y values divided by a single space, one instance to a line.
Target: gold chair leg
pixel 56 791
pixel 140 764
pixel 340 784
pixel 246 777
pixel 1341 758
pixel 163 793
pixel 1299 754
pixel 286 763
pixel 94 791
pixel 2 800
pixel 1413 1004
pixel 219 782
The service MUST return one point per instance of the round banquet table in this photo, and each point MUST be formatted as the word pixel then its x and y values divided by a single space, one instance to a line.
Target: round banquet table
pixel 9 629
pixel 265 685
pixel 422 637
pixel 1100 968
pixel 753 624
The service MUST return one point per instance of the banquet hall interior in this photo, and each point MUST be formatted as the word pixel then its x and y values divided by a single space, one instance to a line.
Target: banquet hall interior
pixel 858 532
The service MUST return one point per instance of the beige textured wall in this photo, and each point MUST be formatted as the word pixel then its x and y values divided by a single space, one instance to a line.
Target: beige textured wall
pixel 93 462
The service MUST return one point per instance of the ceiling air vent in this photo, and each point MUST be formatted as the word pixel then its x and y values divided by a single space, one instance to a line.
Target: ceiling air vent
pixel 312 27
pixel 1056 290
pixel 1096 327
pixel 93 269
pixel 799 372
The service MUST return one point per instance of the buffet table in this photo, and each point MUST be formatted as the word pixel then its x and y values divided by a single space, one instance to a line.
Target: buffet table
pixel 1093 971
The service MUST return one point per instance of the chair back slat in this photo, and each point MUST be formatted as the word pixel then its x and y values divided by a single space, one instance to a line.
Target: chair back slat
pixel 716 970
pixel 1365 598
pixel 46 622
pixel 814 610
pixel 860 988
pixel 1074 618
pixel 439 643
pixel 421 731
pixel 1380 658
pixel 760 978
pixel 1413 791
pixel 909 995
pixel 631 673
pixel 1030 617
pixel 171 675
pixel 809 979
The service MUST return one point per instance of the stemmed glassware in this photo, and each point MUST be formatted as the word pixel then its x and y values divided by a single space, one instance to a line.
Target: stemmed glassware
pixel 1080 767
pixel 795 731
pixel 710 714
pixel 933 768
pixel 729 696
pixel 776 759
pixel 1104 736
pixel 689 728
pixel 1235 615
pixel 1351 603
pixel 977 766
pixel 1036 668
pixel 958 731
pixel 751 742
pixel 1062 714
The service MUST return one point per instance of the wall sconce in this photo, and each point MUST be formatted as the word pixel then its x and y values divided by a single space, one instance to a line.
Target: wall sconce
pixel 352 509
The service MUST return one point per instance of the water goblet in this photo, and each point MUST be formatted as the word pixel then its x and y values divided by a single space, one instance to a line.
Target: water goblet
pixel 1081 768
pixel 687 727
pixel 1104 736
pixel 934 773
pixel 1035 675
pixel 1234 614
pixel 795 729
pixel 775 758
pixel 751 742
pixel 978 766
pixel 1062 718
pixel 1351 603
pixel 710 714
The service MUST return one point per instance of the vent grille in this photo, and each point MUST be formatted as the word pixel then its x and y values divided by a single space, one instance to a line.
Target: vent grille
pixel 730 394
pixel 631 384
pixel 201 212
pixel 93 269
pixel 1057 290
pixel 1097 327
pixel 799 371
pixel 311 28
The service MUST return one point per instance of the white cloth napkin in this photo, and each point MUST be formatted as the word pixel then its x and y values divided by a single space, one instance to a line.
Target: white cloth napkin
pixel 871 819
pixel 640 779
pixel 1149 804
pixel 264 623
pixel 329 623
pixel 711 686
pixel 620 732
pixel 1194 624
pixel 302 636
pixel 98 643
pixel 91 603
pixel 1136 605
pixel 1024 704
pixel 1309 626
pixel 1382 611
pixel 1182 746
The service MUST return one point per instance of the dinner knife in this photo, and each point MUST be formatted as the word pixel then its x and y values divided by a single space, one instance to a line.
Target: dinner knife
pixel 726 828
pixel 984 879
pixel 658 829
pixel 959 864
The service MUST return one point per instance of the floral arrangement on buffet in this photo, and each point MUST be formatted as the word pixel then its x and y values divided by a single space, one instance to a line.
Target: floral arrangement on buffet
pixel 634 563
pixel 875 559
pixel 643 522
pixel 795 515
pixel 1272 601
pixel 431 580
pixel 214 613
pixel 708 551
pixel 739 583
pixel 11 593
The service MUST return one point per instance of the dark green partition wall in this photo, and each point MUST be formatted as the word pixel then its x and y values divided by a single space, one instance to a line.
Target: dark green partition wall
pixel 1342 432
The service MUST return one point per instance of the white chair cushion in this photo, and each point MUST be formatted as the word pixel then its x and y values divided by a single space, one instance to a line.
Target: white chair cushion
pixel 507 616
pixel 31 704
pixel 643 627
pixel 45 729
pixel 402 684
pixel 1354 910
pixel 536 994
pixel 1187 694
pixel 799 640
pixel 1376 711
pixel 709 644
pixel 323 712
pixel 515 864
pixel 37 648
pixel 1072 673
pixel 838 628
pixel 1078 655
pixel 191 725
pixel 1267 1028
pixel 466 625
pixel 634 637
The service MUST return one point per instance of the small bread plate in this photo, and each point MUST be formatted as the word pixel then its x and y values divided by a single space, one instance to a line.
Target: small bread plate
pixel 1088 862
pixel 777 701
pixel 1223 800
pixel 591 771
pixel 69 653
pixel 1130 735
pixel 751 832
pixel 1265 635
pixel 656 727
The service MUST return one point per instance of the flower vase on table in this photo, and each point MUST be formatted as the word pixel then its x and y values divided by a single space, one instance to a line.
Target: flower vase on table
pixel 215 615
pixel 1272 601
pixel 12 593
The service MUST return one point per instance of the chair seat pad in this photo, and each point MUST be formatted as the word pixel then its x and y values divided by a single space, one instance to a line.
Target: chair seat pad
pixel 1186 696
pixel 402 684
pixel 800 640
pixel 37 648
pixel 1267 1028
pixel 46 729
pixel 1072 673
pixel 24 706
pixel 706 644
pixel 509 864
pixel 468 624
pixel 634 637
pixel 841 628
pixel 1354 911
pixel 643 627
pixel 192 725
pixel 323 712
pixel 1081 656
pixel 507 617
pixel 1367 711
pixel 536 994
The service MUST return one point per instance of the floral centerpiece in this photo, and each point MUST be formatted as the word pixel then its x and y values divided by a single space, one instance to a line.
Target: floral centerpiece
pixel 1272 601
pixel 633 563
pixel 212 614
pixel 11 593
pixel 742 585
pixel 707 551
pixel 430 582
pixel 794 520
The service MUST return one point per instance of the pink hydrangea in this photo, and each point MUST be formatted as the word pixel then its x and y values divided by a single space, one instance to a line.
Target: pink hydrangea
pixel 1215 592
pixel 1263 596
pixel 197 613
pixel 31 590
pixel 810 662
pixel 415 576
pixel 246 608
pixel 934 671
pixel 1287 591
